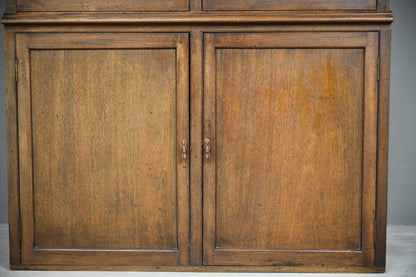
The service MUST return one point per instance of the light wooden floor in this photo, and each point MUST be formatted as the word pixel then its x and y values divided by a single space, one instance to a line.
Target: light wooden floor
pixel 401 261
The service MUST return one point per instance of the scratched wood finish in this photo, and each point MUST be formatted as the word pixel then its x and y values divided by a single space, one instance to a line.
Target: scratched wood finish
pixel 288 125
pixel 104 130
pixel 279 5
pixel 100 5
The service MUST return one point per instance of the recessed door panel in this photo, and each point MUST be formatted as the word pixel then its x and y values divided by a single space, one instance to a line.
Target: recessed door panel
pixel 104 148
pixel 289 129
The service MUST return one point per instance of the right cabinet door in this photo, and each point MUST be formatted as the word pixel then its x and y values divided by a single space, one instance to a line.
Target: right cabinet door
pixel 291 119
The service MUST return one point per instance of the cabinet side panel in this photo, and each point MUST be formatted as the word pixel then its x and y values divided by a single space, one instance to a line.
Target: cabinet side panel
pixel 12 149
pixel 25 149
pixel 104 148
pixel 383 146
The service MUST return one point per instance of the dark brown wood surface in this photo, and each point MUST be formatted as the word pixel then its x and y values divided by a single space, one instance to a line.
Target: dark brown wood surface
pixel 102 38
pixel 100 132
pixel 100 5
pixel 194 5
pixel 286 112
pixel 196 155
pixel 265 5
pixel 104 173
pixel 383 5
pixel 383 147
pixel 12 150
pixel 219 269
pixel 289 128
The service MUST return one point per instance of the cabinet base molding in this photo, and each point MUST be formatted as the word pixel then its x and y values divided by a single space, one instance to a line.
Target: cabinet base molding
pixel 264 269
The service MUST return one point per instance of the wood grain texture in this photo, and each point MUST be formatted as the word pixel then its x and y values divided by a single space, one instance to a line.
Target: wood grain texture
pixel 208 175
pixel 104 173
pixel 254 5
pixel 195 5
pixel 25 150
pixel 288 125
pixel 289 149
pixel 196 138
pixel 186 27
pixel 106 130
pixel 109 31
pixel 12 150
pixel 287 258
pixel 182 133
pixel 10 6
pixel 100 5
pixel 370 149
pixel 105 257
pixel 383 147
pixel 383 5
pixel 102 41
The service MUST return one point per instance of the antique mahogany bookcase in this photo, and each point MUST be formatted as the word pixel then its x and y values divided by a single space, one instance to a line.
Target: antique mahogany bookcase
pixel 198 135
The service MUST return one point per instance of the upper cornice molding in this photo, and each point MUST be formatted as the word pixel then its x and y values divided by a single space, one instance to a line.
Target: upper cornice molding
pixel 282 17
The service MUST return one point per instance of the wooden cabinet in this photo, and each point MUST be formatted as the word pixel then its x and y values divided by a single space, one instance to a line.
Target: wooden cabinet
pixel 235 140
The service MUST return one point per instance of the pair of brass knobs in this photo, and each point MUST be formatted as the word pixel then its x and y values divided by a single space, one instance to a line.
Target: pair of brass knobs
pixel 207 149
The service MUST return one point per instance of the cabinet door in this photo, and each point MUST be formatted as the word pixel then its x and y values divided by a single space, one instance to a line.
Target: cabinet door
pixel 101 121
pixel 291 178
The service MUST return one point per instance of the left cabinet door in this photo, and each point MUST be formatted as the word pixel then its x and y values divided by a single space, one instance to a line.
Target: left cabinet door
pixel 101 120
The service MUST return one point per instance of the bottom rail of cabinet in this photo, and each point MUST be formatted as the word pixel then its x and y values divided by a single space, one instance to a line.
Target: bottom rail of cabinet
pixel 288 269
